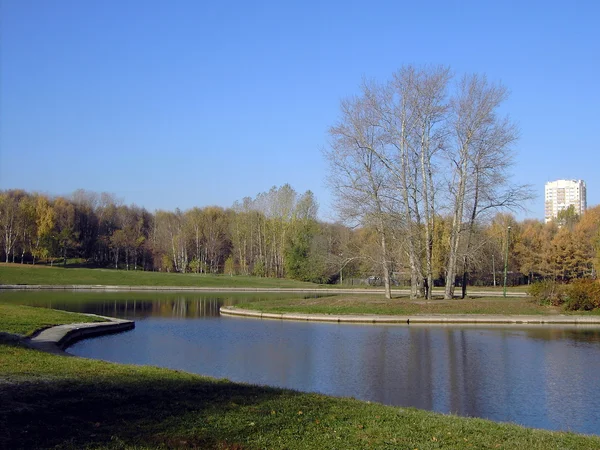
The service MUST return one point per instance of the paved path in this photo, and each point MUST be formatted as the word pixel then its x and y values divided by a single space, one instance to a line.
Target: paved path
pixel 322 290
pixel 56 339
pixel 416 319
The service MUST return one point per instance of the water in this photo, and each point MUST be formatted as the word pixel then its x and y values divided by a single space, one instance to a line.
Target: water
pixel 537 376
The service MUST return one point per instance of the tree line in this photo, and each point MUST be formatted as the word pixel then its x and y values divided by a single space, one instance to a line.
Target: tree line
pixel 277 234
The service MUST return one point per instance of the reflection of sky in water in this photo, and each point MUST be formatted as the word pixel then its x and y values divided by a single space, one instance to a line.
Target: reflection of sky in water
pixel 539 376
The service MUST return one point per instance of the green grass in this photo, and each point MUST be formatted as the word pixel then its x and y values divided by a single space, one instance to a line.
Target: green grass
pixel 45 275
pixel 49 401
pixel 25 320
pixel 372 304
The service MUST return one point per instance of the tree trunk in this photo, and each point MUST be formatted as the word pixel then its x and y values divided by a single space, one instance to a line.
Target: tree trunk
pixel 464 278
pixel 385 267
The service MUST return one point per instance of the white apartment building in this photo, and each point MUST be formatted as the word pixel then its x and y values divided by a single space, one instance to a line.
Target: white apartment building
pixel 561 194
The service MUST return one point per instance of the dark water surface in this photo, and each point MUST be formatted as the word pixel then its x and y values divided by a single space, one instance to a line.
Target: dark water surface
pixel 537 376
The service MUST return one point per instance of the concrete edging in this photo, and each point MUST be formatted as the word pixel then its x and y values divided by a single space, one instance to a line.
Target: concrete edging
pixel 57 339
pixel 417 319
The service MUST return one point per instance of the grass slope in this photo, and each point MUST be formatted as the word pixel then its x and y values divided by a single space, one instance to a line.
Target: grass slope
pixel 29 274
pixel 373 304
pixel 25 320
pixel 51 401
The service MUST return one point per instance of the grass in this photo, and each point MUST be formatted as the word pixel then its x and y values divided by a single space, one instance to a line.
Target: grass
pixel 45 275
pixel 25 320
pixel 49 401
pixel 372 304
pixel 27 274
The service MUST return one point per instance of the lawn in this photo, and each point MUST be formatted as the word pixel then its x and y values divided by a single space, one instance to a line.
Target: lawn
pixel 45 275
pixel 377 304
pixel 49 401
pixel 25 320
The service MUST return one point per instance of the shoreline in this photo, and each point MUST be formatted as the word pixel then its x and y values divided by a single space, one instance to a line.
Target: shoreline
pixel 441 421
pixel 57 339
pixel 329 290
pixel 464 319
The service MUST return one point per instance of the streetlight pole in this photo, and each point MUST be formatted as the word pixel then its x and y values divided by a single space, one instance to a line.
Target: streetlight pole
pixel 506 259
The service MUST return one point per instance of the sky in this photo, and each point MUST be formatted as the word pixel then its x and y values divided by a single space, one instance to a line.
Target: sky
pixel 176 104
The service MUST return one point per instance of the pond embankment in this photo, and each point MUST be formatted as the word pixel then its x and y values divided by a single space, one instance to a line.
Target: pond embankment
pixel 57 338
pixel 417 319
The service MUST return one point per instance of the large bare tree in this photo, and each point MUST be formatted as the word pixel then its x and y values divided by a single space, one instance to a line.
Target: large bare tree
pixel 387 164
pixel 413 110
pixel 481 154
pixel 359 179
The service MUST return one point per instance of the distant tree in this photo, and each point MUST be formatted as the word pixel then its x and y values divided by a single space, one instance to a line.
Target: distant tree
pixel 44 225
pixel 229 267
pixel 529 248
pixel 10 220
pixel 215 235
pixel 27 225
pixel 65 235
pixel 567 218
pixel 118 241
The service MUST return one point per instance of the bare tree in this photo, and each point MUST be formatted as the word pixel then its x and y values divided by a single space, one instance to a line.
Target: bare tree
pixel 481 155
pixel 388 160
pixel 411 110
pixel 357 176
pixel 417 134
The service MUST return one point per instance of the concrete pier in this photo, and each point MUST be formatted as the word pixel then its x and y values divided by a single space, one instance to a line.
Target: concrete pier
pixel 57 339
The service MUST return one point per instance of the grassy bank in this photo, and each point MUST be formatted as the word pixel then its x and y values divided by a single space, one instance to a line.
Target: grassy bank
pixel 51 401
pixel 376 304
pixel 25 320
pixel 29 274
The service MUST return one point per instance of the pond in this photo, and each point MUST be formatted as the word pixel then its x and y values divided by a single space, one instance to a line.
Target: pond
pixel 537 376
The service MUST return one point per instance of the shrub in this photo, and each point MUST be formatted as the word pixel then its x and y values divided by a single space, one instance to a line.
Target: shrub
pixel 582 295
pixel 548 292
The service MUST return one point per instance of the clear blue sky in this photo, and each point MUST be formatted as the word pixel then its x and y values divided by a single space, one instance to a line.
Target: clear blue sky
pixel 193 103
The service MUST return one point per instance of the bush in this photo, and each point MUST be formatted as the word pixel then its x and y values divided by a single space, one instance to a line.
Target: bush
pixel 582 295
pixel 548 292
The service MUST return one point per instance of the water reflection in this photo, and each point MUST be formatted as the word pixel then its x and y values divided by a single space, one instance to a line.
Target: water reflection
pixel 136 305
pixel 539 376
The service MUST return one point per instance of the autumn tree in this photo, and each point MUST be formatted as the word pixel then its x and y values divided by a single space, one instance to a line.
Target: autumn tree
pixel 44 225
pixel 10 220
pixel 305 253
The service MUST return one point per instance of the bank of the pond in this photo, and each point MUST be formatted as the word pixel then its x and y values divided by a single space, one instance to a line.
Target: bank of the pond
pixel 231 289
pixel 416 319
pixel 26 320
pixel 26 276
pixel 51 330
pixel 402 309
pixel 49 401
